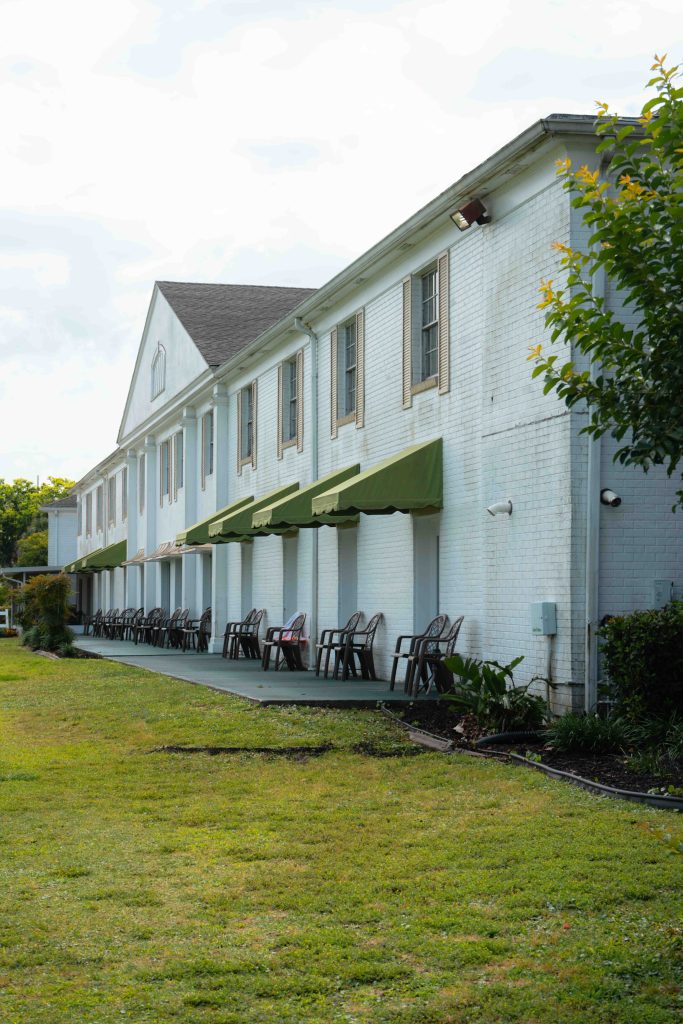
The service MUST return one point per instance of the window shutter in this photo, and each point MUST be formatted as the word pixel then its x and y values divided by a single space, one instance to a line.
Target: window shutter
pixel 300 400
pixel 279 410
pixel 253 429
pixel 407 343
pixel 239 433
pixel 161 474
pixel 360 368
pixel 444 343
pixel 333 382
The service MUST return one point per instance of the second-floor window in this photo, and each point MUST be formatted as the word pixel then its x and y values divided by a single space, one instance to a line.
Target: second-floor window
pixel 99 513
pixel 111 500
pixel 246 427
pixel 164 470
pixel 290 422
pixel 207 445
pixel 346 373
pixel 178 463
pixel 79 516
pixel 88 514
pixel 124 493
pixel 426 330
pixel 347 384
pixel 141 483
pixel 426 364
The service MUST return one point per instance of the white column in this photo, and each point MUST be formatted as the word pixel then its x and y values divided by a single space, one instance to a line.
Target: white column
pixel 221 462
pixel 150 526
pixel 219 562
pixel 219 596
pixel 132 581
pixel 191 480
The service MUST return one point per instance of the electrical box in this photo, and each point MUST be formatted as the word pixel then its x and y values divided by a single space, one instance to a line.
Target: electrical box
pixel 544 618
pixel 662 593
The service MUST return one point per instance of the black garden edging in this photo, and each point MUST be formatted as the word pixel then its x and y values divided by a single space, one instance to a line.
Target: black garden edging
pixel 426 739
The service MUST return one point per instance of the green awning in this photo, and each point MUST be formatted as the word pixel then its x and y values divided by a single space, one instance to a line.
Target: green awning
pixel 73 566
pixel 296 509
pixel 199 533
pixel 411 481
pixel 237 526
pixel 105 558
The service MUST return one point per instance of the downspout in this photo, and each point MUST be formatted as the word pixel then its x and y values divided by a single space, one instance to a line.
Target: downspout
pixel 313 338
pixel 592 595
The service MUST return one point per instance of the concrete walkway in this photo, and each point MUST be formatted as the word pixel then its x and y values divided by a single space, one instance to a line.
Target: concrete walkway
pixel 246 678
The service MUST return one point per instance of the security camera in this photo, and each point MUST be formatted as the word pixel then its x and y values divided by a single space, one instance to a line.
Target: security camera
pixel 500 508
pixel 608 497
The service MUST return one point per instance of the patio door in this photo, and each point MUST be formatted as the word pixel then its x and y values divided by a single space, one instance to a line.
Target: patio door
pixel 247 563
pixel 347 573
pixel 165 574
pixel 290 553
pixel 425 570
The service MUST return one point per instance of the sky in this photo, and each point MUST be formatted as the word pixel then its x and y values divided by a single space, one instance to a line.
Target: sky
pixel 252 142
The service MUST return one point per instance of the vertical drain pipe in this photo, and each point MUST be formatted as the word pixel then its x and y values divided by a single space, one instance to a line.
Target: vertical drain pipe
pixel 313 338
pixel 593 546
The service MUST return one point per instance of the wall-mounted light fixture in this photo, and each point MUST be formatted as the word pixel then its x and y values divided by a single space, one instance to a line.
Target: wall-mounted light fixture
pixel 500 508
pixel 473 212
pixel 608 497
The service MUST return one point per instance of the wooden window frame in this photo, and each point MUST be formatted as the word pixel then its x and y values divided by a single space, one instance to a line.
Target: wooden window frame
pixel 165 470
pixel 99 508
pixel 207 458
pixel 416 321
pixel 339 370
pixel 142 481
pixel 246 456
pixel 124 494
pixel 111 505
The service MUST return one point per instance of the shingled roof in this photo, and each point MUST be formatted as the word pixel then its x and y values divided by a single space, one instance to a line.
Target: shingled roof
pixel 70 501
pixel 222 318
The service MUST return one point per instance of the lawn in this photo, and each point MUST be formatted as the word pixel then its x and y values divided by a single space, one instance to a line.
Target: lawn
pixel 149 886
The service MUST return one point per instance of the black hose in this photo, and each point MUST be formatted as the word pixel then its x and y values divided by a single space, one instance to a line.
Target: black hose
pixel 510 737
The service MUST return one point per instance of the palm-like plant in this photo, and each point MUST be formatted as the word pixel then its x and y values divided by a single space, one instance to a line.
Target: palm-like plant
pixel 486 690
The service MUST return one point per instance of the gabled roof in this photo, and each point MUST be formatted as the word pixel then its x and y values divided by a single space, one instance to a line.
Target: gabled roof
pixel 70 501
pixel 222 318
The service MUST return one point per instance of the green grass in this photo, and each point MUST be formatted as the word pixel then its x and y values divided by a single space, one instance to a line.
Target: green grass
pixel 171 888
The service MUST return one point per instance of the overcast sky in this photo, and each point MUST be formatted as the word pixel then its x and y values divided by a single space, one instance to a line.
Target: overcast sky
pixel 252 142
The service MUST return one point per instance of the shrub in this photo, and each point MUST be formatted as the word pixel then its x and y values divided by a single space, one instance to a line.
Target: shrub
pixel 590 734
pixel 485 690
pixel 44 611
pixel 643 657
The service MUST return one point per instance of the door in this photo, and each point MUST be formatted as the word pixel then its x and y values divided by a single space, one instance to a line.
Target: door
pixel 425 570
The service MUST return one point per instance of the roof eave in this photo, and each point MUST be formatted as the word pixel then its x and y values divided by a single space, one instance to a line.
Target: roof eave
pixel 477 181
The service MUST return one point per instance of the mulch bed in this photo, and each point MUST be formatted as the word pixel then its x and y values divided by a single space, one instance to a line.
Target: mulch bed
pixel 607 769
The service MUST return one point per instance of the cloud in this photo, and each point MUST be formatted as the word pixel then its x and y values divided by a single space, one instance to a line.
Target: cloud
pixel 251 141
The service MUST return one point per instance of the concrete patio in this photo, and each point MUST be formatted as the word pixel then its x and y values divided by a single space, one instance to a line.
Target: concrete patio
pixel 246 678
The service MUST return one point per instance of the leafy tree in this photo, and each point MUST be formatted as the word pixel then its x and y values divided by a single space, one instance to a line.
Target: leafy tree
pixel 32 549
pixel 20 502
pixel 635 213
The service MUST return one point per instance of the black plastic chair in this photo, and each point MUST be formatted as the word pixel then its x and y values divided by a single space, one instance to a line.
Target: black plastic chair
pixel 331 638
pixel 286 642
pixel 358 644
pixel 427 662
pixel 433 630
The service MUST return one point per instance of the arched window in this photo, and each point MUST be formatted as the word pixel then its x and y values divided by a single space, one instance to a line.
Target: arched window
pixel 159 371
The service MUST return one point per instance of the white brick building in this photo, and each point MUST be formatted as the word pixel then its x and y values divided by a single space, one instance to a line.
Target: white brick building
pixel 431 329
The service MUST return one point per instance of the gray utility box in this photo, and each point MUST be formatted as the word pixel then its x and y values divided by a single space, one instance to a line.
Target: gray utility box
pixel 662 593
pixel 544 618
